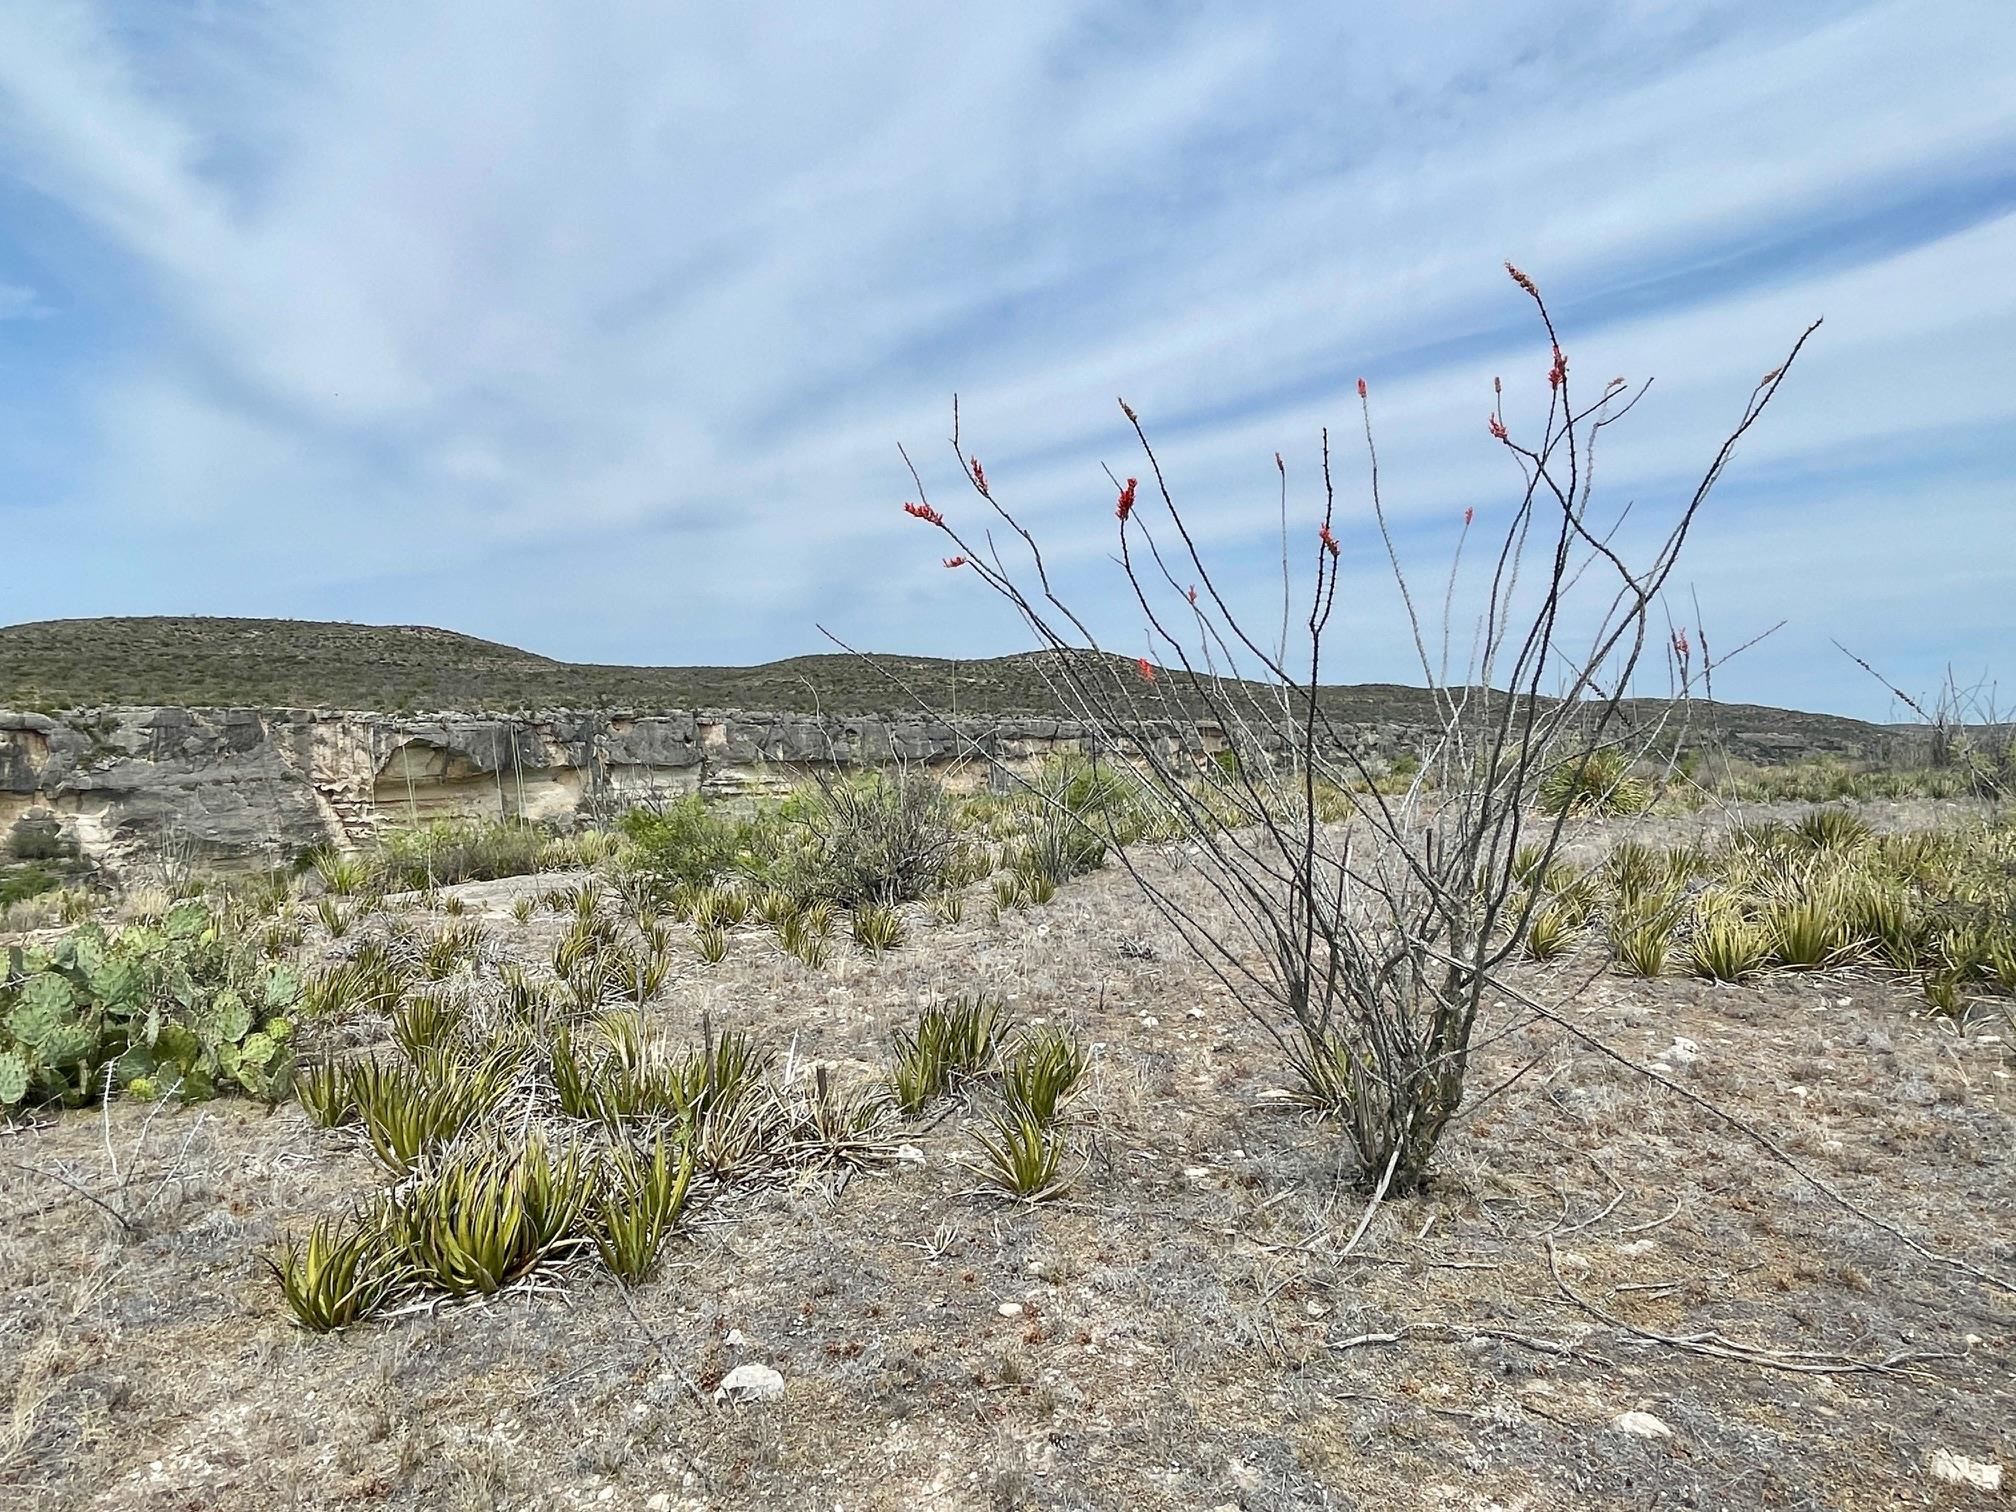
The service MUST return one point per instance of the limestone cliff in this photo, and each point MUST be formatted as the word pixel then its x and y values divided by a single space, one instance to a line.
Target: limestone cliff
pixel 260 785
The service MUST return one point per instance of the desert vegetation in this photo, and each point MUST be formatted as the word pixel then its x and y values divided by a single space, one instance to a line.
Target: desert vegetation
pixel 1562 1114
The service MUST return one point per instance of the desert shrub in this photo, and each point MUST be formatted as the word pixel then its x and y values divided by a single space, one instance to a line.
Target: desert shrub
pixel 31 879
pixel 882 839
pixel 448 851
pixel 688 842
pixel 183 1005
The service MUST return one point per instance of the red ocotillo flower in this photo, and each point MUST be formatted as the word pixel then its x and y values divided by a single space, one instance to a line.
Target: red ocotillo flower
pixel 1146 669
pixel 1558 373
pixel 955 561
pixel 1193 595
pixel 1498 427
pixel 1280 466
pixel 1468 516
pixel 1361 388
pixel 1126 504
pixel 979 476
pixel 1681 648
pixel 925 513
pixel 1497 385
pixel 1329 541
pixel 1522 280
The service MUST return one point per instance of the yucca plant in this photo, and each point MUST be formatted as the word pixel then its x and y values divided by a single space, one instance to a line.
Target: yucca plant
pixel 1042 1070
pixel 1641 934
pixel 1550 932
pixel 1724 945
pixel 801 935
pixel 410 1110
pixel 840 1128
pixel 1011 890
pixel 334 916
pixel 339 874
pixel 1805 931
pixel 324 1090
pixel 711 941
pixel 1037 887
pixel 1023 1157
pixel 482 1220
pixel 1832 829
pixel 877 927
pixel 639 1214
pixel 521 909
pixel 341 1272
pixel 1598 783
pixel 427 1021
pixel 948 907
pixel 1321 1064
pixel 775 905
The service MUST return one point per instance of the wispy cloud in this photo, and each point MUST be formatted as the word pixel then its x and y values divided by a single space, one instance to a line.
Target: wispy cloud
pixel 597 331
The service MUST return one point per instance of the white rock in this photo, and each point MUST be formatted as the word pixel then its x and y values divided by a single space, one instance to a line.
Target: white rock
pixel 1010 1309
pixel 1244 1476
pixel 909 1154
pixel 750 1383
pixel 734 1338
pixel 1642 1424
pixel 1638 1247
pixel 1149 1021
pixel 659 1501
pixel 1684 1051
pixel 1958 1470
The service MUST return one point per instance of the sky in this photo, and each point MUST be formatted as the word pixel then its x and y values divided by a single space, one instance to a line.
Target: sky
pixel 596 329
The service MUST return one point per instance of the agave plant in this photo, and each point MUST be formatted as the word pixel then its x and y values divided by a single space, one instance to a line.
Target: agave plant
pixel 1550 932
pixel 485 1218
pixel 1725 946
pixel 1023 1157
pixel 1042 1071
pixel 877 927
pixel 711 941
pixel 635 1219
pixel 341 1272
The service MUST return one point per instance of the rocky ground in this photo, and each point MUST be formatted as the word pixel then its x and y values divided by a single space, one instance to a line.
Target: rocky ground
pixel 1610 1297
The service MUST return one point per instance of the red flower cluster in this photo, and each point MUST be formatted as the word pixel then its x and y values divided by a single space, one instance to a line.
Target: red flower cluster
pixel 1523 281
pixel 1126 505
pixel 1329 541
pixel 1681 648
pixel 1498 427
pixel 1468 516
pixel 955 561
pixel 1361 388
pixel 1558 374
pixel 1193 595
pixel 1146 669
pixel 979 476
pixel 925 513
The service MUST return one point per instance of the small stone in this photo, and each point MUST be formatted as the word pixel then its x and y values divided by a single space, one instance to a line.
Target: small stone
pixel 1244 1476
pixel 1637 1247
pixel 1194 1012
pixel 1196 1173
pixel 607 1493
pixel 909 1154
pixel 1010 1309
pixel 1149 1021
pixel 1641 1424
pixel 1958 1470
pixel 1970 1340
pixel 734 1338
pixel 750 1383
pixel 659 1501
pixel 1315 1310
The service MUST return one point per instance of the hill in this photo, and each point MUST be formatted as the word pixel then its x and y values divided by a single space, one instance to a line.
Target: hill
pixel 276 663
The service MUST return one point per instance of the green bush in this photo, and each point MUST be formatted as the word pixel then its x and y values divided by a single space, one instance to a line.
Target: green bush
pixel 689 842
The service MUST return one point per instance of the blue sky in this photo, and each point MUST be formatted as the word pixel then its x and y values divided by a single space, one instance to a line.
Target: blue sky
pixel 595 329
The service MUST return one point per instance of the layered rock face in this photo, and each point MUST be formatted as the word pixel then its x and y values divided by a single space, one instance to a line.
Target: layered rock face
pixel 257 786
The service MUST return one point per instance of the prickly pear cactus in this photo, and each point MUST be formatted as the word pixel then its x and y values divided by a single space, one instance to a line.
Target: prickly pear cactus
pixel 187 920
pixel 227 1020
pixel 118 983
pixel 13 1078
pixel 283 989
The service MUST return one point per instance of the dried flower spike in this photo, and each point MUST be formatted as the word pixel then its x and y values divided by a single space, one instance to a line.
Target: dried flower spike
pixel 1522 280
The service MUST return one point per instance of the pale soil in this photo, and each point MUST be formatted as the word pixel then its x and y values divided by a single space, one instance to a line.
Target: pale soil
pixel 1188 1313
